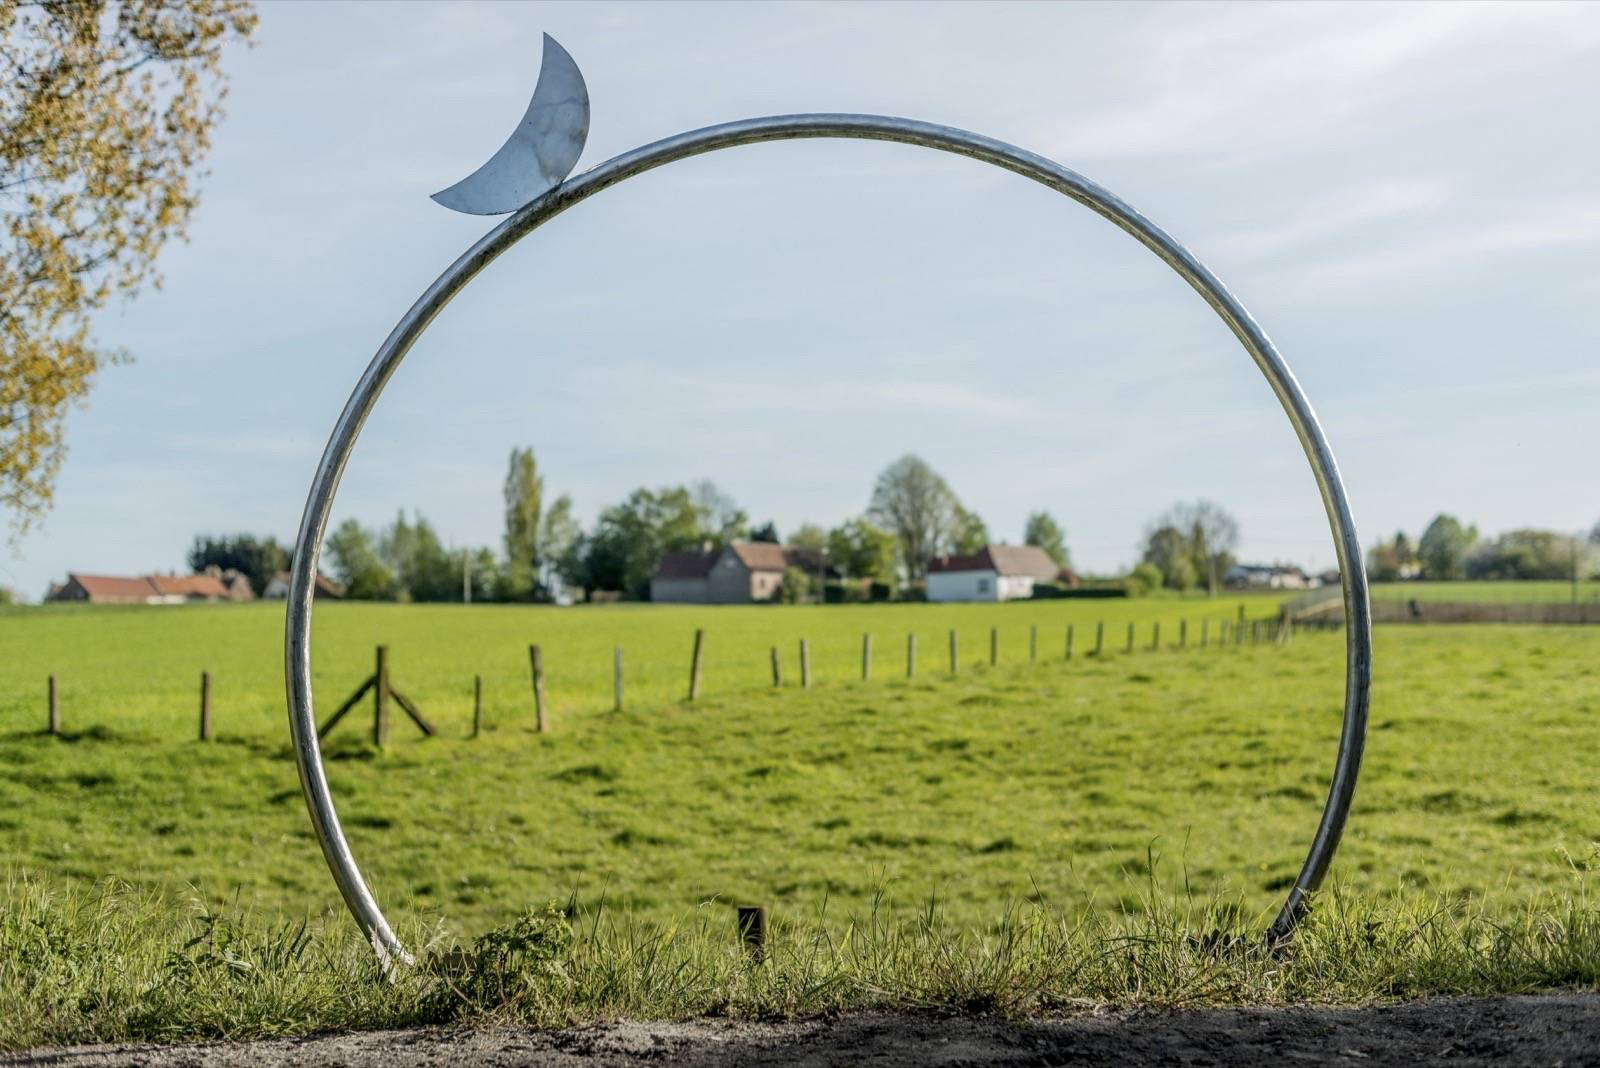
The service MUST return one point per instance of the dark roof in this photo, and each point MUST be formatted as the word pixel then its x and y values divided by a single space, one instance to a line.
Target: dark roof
pixel 1028 560
pixel 686 564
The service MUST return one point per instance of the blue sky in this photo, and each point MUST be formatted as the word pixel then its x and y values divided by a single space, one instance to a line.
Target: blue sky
pixel 1404 196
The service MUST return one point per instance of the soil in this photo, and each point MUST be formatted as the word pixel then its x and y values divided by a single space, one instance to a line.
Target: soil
pixel 1548 1030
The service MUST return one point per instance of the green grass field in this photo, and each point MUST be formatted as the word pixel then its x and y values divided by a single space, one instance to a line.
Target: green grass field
pixel 854 811
pixel 1479 592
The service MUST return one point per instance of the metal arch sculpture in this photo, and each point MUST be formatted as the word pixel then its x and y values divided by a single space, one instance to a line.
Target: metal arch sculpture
pixel 526 178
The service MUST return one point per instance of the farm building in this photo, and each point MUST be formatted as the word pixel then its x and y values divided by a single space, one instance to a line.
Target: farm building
pixel 214 585
pixel 1267 577
pixel 741 572
pixel 278 587
pixel 993 573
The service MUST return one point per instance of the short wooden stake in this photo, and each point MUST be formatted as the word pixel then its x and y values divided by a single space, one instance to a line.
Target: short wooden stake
pixel 1205 632
pixel 994 646
pixel 1155 636
pixel 1287 634
pixel 1130 638
pixel 911 656
pixel 1033 643
pixel 55 709
pixel 1069 641
pixel 866 657
pixel 955 658
pixel 1099 637
pixel 536 662
pixel 205 706
pixel 805 664
pixel 380 715
pixel 477 705
pixel 777 668
pixel 694 664
pixel 1183 634
pixel 753 931
pixel 616 679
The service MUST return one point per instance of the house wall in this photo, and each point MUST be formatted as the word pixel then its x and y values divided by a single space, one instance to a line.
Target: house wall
pixel 964 586
pixel 729 581
pixel 679 591
pixel 1015 587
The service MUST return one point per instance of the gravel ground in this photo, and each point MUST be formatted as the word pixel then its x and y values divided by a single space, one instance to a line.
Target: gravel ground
pixel 1550 1030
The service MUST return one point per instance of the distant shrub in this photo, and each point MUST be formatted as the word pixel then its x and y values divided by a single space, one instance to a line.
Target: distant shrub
pixel 880 591
pixel 916 591
pixel 796 586
pixel 1142 580
pixel 1051 590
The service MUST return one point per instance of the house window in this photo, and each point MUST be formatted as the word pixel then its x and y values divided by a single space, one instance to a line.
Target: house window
pixel 983 585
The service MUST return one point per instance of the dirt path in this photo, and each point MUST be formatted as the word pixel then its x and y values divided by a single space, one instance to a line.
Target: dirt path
pixel 1553 1030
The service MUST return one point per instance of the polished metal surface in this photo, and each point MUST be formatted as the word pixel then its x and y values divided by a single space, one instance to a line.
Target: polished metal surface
pixel 540 152
pixel 1358 619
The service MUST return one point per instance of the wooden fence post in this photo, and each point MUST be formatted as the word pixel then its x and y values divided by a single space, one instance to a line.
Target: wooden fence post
pixel 994 646
pixel 866 657
pixel 694 664
pixel 1099 637
pixel 805 664
pixel 54 720
pixel 955 660
pixel 616 679
pixel 1183 634
pixel 1205 632
pixel 1033 643
pixel 777 668
pixel 477 705
pixel 1130 638
pixel 380 689
pixel 1155 636
pixel 911 655
pixel 536 659
pixel 1069 641
pixel 205 706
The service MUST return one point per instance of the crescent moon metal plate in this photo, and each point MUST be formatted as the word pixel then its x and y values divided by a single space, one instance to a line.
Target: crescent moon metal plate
pixel 1074 186
pixel 541 151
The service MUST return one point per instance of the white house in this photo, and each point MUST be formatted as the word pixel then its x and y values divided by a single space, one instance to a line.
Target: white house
pixel 1268 577
pixel 993 573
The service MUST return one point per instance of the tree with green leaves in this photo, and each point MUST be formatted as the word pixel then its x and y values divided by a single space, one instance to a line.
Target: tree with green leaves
pixel 1211 536
pixel 1043 531
pixel 106 114
pixel 968 533
pixel 914 502
pixel 629 539
pixel 524 497
pixel 862 550
pixel 358 566
pixel 809 536
pixel 766 532
pixel 1444 547
pixel 559 539
pixel 257 559
pixel 1169 551
pixel 721 519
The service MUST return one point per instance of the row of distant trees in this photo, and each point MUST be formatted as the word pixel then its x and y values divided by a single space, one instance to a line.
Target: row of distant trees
pixel 1189 546
pixel 912 516
pixel 1449 549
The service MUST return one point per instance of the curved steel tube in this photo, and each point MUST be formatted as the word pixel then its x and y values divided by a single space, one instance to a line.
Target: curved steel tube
pixel 1357 611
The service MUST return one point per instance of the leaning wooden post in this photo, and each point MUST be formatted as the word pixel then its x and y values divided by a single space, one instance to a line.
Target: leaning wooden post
pixel 955 660
pixel 777 668
pixel 911 655
pixel 1099 637
pixel 866 657
pixel 477 705
pixel 616 679
pixel 205 706
pixel 1130 638
pixel 994 646
pixel 536 660
pixel 694 664
pixel 380 698
pixel 1155 636
pixel 1183 634
pixel 1033 644
pixel 55 709
pixel 805 664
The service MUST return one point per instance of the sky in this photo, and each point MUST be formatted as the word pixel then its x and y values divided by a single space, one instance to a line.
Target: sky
pixel 1406 197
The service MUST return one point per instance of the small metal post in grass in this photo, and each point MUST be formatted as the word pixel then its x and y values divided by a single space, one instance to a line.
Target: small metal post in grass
pixel 54 721
pixel 777 668
pixel 805 664
pixel 616 679
pixel 1069 641
pixel 1130 638
pixel 536 659
pixel 1033 643
pixel 694 664
pixel 866 657
pixel 205 706
pixel 911 655
pixel 1155 636
pixel 994 646
pixel 955 659
pixel 753 931
pixel 477 705
pixel 1099 637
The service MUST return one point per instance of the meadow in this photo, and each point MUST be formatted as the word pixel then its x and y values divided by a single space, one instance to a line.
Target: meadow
pixel 990 834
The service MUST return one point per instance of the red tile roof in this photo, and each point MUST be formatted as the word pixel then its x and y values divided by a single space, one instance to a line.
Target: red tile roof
pixel 1019 560
pixel 114 587
pixel 761 555
pixel 189 586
